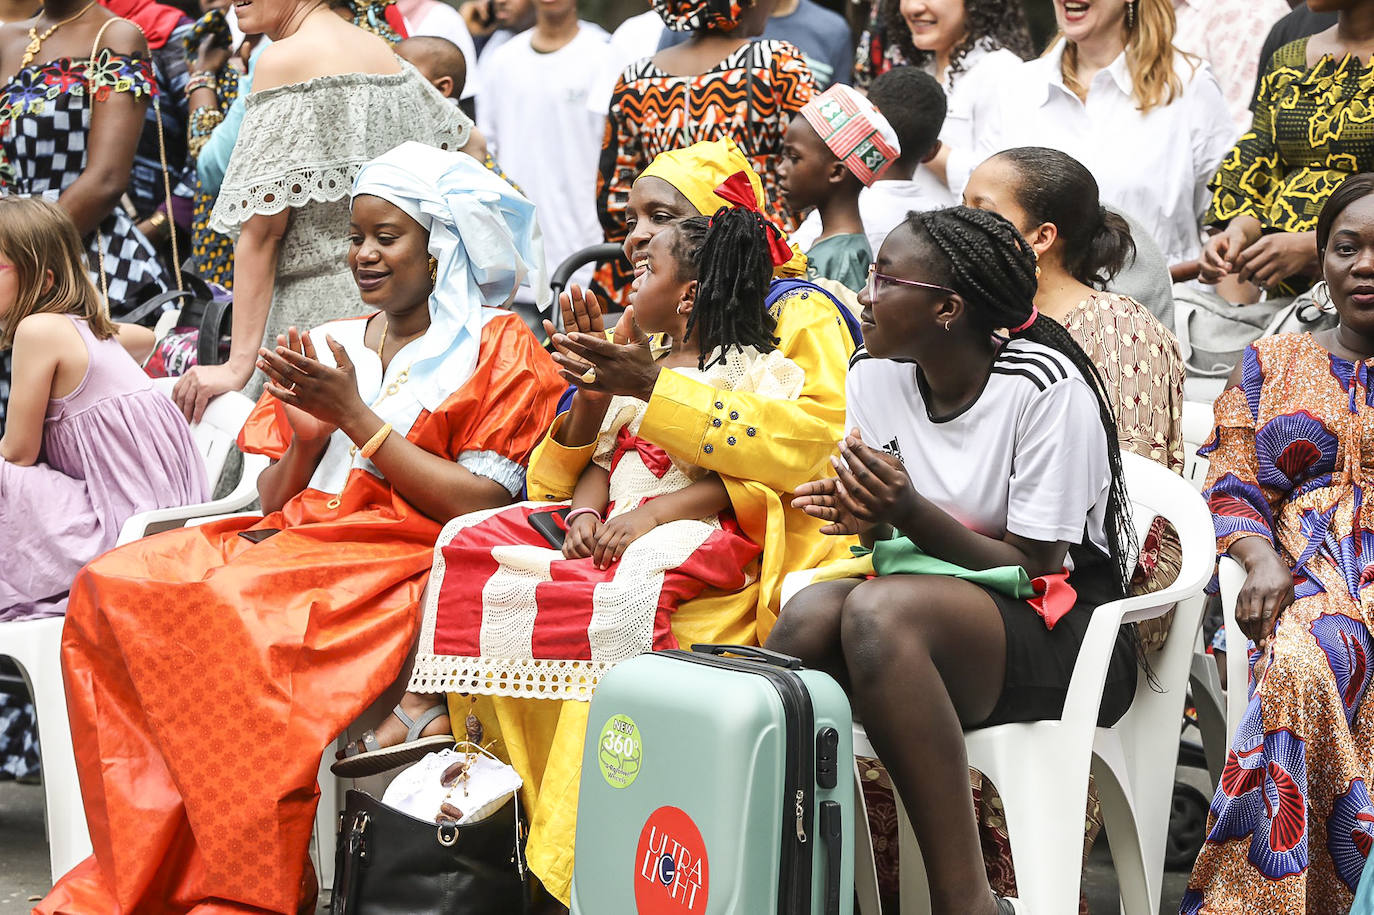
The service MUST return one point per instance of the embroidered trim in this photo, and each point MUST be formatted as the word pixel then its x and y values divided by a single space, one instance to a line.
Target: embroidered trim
pixel 521 678
pixel 303 143
pixel 32 89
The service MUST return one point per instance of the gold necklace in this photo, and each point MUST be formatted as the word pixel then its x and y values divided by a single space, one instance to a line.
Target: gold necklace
pixel 36 40
pixel 386 326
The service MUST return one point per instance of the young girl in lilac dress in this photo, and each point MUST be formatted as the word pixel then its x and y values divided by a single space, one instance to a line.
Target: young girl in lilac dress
pixel 88 442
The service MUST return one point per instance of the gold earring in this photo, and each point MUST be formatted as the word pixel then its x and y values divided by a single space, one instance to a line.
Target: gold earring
pixel 1131 15
pixel 433 270
pixel 1037 271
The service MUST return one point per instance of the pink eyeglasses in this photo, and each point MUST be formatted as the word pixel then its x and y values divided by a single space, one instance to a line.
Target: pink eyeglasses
pixel 876 282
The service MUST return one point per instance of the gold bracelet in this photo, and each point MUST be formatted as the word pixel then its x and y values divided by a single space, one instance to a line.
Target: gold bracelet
pixel 376 441
pixel 157 220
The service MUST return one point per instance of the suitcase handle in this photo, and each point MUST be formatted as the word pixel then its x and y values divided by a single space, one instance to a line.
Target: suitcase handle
pixel 753 653
pixel 833 839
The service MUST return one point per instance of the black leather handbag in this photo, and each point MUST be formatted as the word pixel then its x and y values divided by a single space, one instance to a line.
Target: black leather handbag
pixel 390 863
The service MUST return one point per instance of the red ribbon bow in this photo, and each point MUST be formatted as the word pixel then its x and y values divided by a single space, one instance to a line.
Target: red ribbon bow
pixel 737 191
pixel 654 457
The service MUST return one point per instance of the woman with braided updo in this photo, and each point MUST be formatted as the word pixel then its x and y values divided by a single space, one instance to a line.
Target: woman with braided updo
pixel 976 462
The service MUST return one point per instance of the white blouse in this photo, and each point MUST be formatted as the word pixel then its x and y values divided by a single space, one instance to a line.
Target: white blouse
pixel 985 70
pixel 1154 166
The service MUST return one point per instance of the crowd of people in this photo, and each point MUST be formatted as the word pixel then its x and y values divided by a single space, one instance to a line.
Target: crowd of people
pixel 913 285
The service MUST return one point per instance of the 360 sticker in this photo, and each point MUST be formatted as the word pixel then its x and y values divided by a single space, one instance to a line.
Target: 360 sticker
pixel 619 751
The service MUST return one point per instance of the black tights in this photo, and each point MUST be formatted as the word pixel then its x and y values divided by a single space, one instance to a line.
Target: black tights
pixel 921 656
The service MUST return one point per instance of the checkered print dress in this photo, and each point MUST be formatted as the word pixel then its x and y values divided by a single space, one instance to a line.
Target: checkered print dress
pixel 45 116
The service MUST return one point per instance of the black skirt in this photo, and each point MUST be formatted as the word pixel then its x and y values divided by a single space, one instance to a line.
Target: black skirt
pixel 1040 661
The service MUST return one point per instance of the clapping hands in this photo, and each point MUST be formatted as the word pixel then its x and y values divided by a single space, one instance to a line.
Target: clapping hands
pixel 869 488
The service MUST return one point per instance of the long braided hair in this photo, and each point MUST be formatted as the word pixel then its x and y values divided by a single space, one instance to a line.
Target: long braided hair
pixel 728 256
pixel 993 269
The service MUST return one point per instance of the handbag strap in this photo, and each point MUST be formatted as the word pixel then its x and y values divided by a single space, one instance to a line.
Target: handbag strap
pixel 349 859
pixel 162 158
pixel 90 93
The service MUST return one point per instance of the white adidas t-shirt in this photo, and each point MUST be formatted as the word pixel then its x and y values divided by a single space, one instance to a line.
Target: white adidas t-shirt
pixel 533 113
pixel 1029 456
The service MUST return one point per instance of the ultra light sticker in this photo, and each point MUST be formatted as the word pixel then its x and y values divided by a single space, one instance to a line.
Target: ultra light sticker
pixel 672 873
pixel 620 751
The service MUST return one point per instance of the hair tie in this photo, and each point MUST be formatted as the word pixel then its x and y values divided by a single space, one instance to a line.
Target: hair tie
pixel 739 193
pixel 1035 313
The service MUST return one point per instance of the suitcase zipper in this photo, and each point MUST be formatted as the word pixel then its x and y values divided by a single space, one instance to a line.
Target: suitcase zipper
pixel 794 868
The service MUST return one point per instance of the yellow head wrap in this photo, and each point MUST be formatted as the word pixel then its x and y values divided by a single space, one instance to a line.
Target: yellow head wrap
pixel 697 170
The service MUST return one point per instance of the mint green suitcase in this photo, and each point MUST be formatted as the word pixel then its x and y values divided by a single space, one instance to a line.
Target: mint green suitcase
pixel 716 781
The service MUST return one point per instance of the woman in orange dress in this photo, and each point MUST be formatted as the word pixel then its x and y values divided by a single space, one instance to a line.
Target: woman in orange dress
pixel 207 668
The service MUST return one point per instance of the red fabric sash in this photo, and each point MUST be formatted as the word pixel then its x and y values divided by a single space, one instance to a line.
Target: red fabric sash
pixel 654 457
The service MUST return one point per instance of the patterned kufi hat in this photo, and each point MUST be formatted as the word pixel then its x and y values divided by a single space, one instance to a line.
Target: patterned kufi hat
pixel 854 130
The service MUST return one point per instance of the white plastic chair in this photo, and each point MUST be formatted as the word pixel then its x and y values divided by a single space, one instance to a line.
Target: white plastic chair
pixel 1208 697
pixel 215 437
pixel 1231 576
pixel 1041 768
pixel 36 646
pixel 1197 428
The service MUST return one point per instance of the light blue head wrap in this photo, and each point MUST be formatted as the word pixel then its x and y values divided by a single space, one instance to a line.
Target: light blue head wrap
pixel 486 239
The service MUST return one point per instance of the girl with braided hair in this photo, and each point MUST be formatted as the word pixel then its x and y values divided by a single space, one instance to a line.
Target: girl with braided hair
pixel 993 460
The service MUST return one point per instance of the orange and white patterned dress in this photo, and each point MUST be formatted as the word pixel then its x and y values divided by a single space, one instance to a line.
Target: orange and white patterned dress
pixel 750 96
pixel 1291 823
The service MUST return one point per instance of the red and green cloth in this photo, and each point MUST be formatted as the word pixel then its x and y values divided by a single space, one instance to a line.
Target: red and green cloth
pixel 1051 596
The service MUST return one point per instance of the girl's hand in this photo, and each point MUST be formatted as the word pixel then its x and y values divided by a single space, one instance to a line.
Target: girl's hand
pixel 1268 589
pixel 581 310
pixel 581 537
pixel 876 485
pixel 298 379
pixel 619 532
pixel 821 499
pixel 203 383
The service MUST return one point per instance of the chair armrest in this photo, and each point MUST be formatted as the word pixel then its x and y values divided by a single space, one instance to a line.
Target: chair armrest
pixel 241 497
pixel 1231 578
pixel 206 519
pixel 1084 697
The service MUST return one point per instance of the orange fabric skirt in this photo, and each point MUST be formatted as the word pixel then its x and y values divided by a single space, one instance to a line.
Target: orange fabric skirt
pixel 205 676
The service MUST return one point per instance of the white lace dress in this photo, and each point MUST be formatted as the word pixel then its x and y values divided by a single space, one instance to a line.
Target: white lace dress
pixel 301 146
pixel 507 615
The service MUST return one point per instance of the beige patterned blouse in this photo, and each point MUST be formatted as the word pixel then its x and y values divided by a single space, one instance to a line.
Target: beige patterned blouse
pixel 1142 366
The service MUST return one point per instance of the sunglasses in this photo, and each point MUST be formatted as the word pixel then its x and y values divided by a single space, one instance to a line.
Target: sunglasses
pixel 878 281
